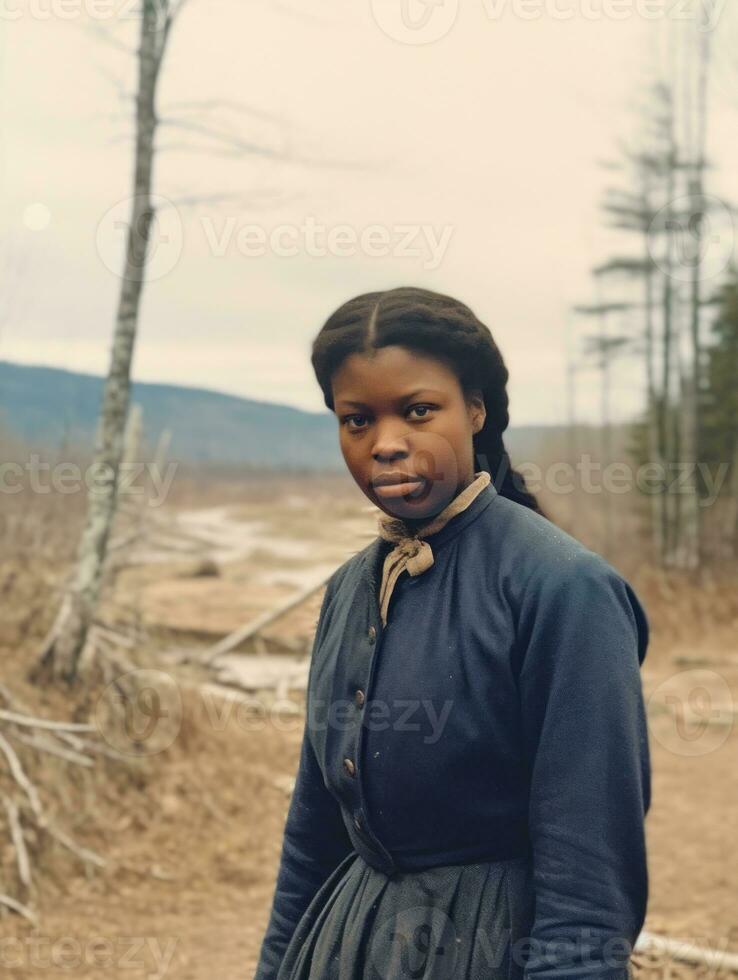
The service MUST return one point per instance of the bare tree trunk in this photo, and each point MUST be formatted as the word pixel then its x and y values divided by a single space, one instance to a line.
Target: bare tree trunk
pixel 606 439
pixel 654 443
pixel 687 552
pixel 666 428
pixel 731 523
pixel 64 646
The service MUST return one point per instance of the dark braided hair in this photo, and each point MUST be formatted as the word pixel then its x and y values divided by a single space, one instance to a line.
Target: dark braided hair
pixel 442 327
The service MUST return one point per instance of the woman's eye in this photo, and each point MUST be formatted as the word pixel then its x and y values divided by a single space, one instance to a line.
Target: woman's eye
pixel 351 418
pixel 353 422
pixel 421 408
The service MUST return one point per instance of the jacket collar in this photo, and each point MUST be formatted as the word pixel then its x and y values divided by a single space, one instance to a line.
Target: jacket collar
pixel 375 553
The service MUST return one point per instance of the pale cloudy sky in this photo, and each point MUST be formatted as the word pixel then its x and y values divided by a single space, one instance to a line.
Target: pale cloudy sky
pixel 484 140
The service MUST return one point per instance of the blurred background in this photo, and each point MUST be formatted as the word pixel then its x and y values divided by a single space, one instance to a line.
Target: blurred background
pixel 188 190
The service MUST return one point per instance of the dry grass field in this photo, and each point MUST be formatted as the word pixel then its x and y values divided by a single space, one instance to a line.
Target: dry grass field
pixel 191 834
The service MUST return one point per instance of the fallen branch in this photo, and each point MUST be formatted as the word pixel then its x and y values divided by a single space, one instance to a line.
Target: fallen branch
pixel 84 853
pixel 18 841
pixel 258 624
pixel 19 775
pixel 101 750
pixel 52 726
pixel 113 636
pixel 44 739
pixel 680 949
pixel 18 907
pixel 47 745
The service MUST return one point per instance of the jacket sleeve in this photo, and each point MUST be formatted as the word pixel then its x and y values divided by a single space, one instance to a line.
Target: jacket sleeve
pixel 315 842
pixel 584 637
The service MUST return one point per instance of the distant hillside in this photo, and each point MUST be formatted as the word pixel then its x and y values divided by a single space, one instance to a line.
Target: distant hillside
pixel 49 407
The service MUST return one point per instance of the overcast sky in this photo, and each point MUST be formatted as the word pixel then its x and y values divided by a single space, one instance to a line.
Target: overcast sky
pixel 467 163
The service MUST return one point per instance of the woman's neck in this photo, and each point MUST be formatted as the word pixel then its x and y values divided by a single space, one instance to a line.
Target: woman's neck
pixel 414 524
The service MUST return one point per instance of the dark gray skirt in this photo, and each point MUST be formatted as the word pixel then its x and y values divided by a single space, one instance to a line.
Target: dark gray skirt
pixel 458 921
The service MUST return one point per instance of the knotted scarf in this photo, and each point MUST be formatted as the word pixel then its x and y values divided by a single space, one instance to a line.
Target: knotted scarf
pixel 411 553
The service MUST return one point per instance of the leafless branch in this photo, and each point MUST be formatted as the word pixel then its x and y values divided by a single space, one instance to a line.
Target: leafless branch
pixel 259 200
pixel 18 841
pixel 19 775
pixel 55 726
pixel 18 907
pixel 234 145
pixel 224 105
pixel 103 34
pixel 83 853
pixel 45 744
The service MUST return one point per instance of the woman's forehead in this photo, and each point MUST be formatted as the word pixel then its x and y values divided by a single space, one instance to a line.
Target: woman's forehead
pixel 391 373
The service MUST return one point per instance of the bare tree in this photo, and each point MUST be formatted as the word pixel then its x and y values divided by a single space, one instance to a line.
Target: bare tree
pixel 604 347
pixel 65 642
pixel 695 111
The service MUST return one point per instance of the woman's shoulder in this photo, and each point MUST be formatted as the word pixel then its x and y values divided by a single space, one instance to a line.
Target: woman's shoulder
pixel 534 542
pixel 542 566
pixel 534 552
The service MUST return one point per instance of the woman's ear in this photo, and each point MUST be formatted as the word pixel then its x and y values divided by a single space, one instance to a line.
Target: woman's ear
pixel 477 410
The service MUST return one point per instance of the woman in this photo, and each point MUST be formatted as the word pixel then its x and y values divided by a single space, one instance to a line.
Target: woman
pixel 474 773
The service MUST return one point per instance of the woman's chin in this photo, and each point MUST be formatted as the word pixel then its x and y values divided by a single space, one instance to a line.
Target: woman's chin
pixel 416 505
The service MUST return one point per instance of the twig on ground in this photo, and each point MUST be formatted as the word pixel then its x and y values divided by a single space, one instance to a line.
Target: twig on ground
pixel 18 907
pixel 52 726
pixel 18 841
pixel 45 744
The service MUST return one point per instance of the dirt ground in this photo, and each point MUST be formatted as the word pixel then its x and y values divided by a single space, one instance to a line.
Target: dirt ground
pixel 192 833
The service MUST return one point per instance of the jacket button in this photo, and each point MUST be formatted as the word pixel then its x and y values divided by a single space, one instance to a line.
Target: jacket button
pixel 359 698
pixel 349 767
pixel 372 634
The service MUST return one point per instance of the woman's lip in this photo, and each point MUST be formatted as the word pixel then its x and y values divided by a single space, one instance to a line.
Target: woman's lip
pixel 398 489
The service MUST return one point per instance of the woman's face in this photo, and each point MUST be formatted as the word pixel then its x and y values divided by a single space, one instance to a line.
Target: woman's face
pixel 404 422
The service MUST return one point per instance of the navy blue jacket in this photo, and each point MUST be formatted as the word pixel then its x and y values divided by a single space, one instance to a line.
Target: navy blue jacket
pixel 499 713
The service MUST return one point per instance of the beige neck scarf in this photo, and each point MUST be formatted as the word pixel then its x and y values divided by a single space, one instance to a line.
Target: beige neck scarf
pixel 411 553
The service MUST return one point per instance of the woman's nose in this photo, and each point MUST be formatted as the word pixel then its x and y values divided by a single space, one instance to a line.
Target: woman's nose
pixel 390 440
